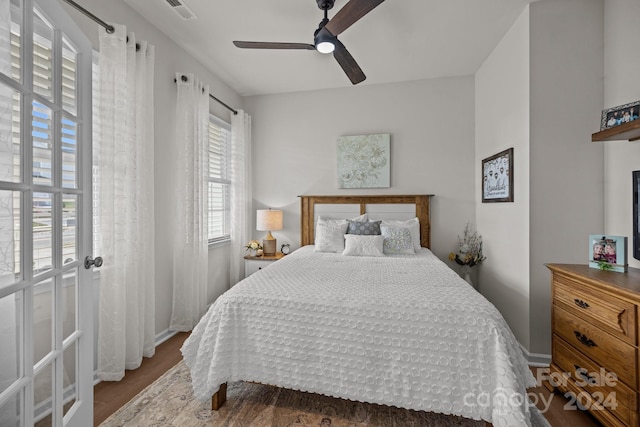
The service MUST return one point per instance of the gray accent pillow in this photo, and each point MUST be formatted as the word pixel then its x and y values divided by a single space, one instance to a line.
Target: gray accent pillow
pixel 364 228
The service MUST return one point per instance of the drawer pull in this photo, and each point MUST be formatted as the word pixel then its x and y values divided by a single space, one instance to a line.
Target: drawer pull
pixel 582 372
pixel 584 339
pixel 581 303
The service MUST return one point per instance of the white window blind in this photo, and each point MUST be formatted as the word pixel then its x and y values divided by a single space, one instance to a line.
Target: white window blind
pixel 219 180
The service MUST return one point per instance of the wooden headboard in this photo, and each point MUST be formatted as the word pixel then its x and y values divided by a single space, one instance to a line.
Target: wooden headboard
pixel 308 211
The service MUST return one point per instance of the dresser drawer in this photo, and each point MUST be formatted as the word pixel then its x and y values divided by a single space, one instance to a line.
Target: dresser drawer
pixel 610 352
pixel 614 315
pixel 612 395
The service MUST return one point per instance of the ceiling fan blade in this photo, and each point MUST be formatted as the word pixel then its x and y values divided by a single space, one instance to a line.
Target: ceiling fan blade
pixel 348 64
pixel 273 45
pixel 349 14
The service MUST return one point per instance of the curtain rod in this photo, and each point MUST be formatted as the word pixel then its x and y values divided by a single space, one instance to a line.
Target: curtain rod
pixel 235 112
pixel 110 29
pixel 84 11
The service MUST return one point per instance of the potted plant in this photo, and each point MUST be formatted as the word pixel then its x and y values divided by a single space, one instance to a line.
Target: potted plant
pixel 252 247
pixel 469 252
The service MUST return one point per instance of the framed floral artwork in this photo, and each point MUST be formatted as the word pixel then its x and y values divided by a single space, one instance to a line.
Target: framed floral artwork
pixel 497 177
pixel 363 161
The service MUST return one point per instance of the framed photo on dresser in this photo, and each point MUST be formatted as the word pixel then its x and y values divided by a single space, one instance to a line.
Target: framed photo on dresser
pixel 608 252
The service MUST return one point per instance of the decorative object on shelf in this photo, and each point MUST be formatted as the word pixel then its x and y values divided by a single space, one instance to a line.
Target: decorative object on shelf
pixel 608 253
pixel 469 251
pixel 616 116
pixel 363 161
pixel 259 252
pixel 636 215
pixel 497 177
pixel 285 248
pixel 269 220
pixel 253 247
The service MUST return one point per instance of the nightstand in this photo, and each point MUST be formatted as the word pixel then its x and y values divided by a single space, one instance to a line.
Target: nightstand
pixel 255 263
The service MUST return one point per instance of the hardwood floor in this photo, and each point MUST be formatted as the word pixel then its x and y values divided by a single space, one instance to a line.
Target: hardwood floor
pixel 110 396
pixel 557 409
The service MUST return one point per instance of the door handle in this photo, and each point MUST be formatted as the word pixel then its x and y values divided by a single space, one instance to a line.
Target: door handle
pixel 89 262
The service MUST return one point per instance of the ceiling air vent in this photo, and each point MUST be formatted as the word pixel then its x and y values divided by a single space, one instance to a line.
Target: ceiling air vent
pixel 182 9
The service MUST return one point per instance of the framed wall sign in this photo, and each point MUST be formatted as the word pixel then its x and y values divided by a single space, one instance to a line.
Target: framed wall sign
pixel 497 177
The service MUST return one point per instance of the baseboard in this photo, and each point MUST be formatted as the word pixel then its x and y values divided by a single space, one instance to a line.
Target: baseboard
pixel 159 339
pixel 164 335
pixel 536 360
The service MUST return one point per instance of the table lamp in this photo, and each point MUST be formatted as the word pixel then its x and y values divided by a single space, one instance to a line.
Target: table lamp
pixel 269 220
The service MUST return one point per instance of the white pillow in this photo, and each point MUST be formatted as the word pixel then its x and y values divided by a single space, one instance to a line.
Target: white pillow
pixel 414 228
pixel 362 245
pixel 329 235
pixel 397 240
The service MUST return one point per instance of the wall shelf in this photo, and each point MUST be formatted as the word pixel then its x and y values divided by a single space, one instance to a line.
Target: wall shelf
pixel 626 131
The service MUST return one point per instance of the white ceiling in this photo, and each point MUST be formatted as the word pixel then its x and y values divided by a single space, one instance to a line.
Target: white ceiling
pixel 399 40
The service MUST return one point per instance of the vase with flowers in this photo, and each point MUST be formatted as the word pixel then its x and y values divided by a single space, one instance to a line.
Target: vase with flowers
pixel 253 247
pixel 469 251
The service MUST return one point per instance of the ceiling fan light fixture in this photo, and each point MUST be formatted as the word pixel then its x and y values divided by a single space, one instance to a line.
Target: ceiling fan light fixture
pixel 324 40
pixel 325 47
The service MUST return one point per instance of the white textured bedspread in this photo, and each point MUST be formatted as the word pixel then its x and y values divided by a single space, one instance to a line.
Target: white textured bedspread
pixel 400 330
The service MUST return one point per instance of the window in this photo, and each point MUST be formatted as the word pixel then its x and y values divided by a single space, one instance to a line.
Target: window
pixel 219 180
pixel 219 188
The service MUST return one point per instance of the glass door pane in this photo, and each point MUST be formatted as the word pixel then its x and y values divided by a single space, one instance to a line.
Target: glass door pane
pixel 42 56
pixel 11 333
pixel 43 233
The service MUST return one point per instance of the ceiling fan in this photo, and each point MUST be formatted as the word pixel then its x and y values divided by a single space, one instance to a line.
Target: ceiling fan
pixel 325 38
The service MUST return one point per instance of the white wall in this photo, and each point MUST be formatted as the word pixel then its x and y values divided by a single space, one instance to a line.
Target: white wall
pixel 567 172
pixel 169 59
pixel 546 76
pixel 621 83
pixel 502 121
pixel 431 124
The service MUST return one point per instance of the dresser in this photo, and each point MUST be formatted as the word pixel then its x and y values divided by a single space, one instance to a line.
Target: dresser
pixel 255 263
pixel 595 341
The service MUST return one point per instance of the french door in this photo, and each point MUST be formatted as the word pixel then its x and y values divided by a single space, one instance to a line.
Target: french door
pixel 46 323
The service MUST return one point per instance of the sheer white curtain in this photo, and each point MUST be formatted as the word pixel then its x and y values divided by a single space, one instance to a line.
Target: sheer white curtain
pixel 7 151
pixel 123 166
pixel 241 195
pixel 9 317
pixel 190 243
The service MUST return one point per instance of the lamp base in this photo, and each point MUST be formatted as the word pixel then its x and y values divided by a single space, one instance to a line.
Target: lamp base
pixel 269 244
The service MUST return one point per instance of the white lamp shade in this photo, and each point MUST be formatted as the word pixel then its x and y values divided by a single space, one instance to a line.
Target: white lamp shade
pixel 269 220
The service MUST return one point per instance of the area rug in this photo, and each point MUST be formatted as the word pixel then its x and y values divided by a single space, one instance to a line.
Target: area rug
pixel 169 402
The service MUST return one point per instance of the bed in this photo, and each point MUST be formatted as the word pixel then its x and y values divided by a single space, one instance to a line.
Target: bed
pixel 398 329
